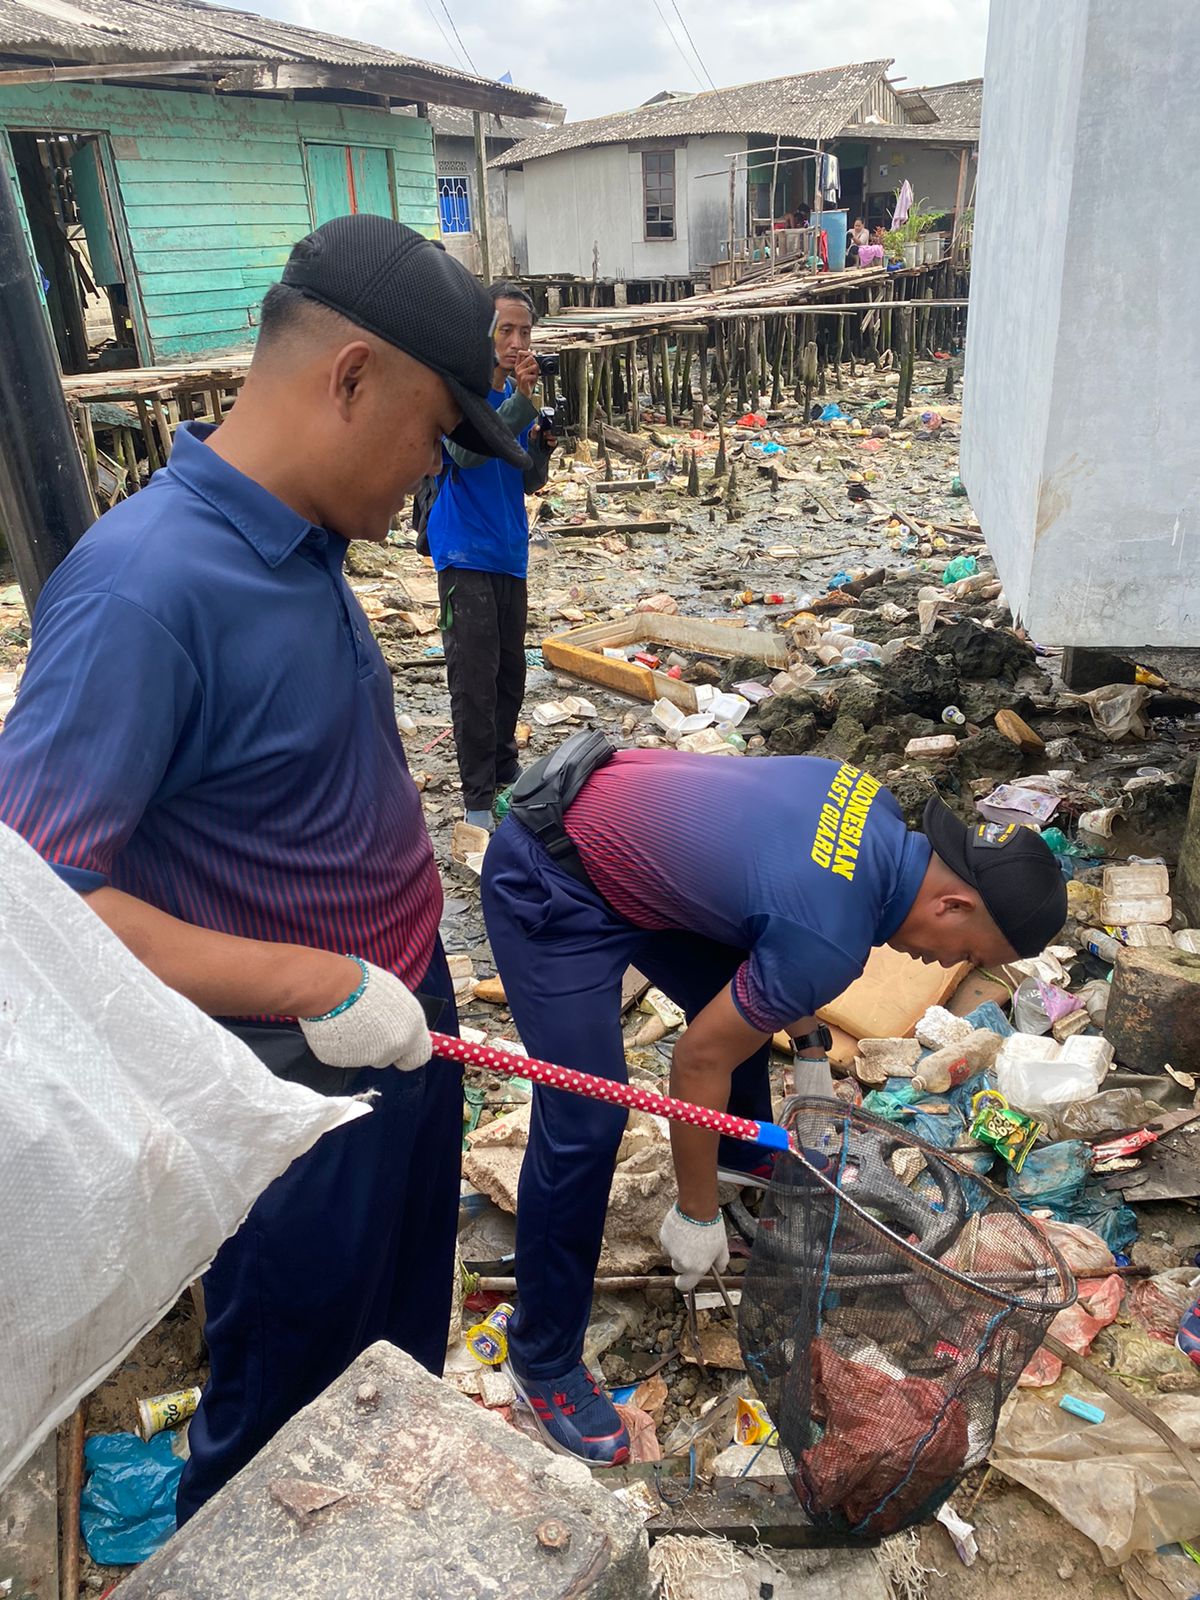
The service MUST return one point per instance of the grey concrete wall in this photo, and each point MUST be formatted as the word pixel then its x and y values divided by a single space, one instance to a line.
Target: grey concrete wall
pixel 932 173
pixel 592 199
pixel 1080 450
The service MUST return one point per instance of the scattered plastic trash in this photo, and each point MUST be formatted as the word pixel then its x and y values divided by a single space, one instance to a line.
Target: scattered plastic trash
pixel 960 567
pixel 488 1340
pixel 832 413
pixel 157 1412
pixel 1081 1408
pixel 1002 1128
pixel 1117 1482
pixel 1116 710
pixel 931 421
pixel 127 1509
pixel 861 650
pixel 953 717
pixel 962 1534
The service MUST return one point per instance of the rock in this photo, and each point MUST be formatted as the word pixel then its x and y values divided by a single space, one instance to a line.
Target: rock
pixel 424 1462
pixel 880 1059
pixel 985 653
pixel 934 747
pixel 988 754
pixel 866 699
pixel 491 990
pixel 642 1189
pixel 794 737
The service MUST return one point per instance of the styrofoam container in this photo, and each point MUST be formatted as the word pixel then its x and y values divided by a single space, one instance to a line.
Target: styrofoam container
pixel 1027 1047
pixel 1120 912
pixel 1138 881
pixel 668 716
pixel 1088 1050
pixel 728 708
pixel 1146 936
pixel 694 723
pixel 1189 939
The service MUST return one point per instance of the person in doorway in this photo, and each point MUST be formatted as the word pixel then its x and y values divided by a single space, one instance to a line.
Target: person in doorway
pixel 859 236
pixel 751 893
pixel 478 537
pixel 205 747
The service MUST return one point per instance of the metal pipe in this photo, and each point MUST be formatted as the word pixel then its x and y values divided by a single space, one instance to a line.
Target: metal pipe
pixel 44 501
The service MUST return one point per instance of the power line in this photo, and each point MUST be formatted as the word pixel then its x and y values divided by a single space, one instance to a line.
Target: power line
pixel 458 36
pixel 438 22
pixel 692 42
pixel 678 46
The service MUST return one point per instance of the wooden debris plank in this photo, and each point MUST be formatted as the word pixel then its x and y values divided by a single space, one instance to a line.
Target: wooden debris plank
pixel 590 530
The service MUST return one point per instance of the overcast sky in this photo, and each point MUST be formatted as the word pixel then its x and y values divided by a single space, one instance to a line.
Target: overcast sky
pixel 609 55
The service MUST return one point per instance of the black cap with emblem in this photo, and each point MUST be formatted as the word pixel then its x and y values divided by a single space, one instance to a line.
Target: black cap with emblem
pixel 1014 871
pixel 406 290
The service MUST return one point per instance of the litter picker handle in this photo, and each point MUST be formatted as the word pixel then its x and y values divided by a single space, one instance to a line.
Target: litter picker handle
pixel 767 1134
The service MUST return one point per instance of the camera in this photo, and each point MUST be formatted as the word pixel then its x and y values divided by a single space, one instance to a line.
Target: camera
pixel 547 365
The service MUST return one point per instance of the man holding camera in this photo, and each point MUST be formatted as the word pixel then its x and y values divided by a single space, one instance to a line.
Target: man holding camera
pixel 478 537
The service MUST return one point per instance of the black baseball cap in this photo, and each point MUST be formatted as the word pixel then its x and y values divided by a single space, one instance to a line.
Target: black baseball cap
pixel 405 289
pixel 1014 871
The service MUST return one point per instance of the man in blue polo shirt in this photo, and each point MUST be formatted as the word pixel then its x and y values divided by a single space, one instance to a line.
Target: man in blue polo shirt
pixel 205 746
pixel 478 537
pixel 752 893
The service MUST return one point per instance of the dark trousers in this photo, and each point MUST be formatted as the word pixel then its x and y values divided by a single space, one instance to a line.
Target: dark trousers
pixel 562 953
pixel 353 1243
pixel 483 634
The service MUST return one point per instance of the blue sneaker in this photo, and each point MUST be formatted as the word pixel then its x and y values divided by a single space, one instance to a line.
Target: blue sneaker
pixel 574 1416
pixel 1187 1339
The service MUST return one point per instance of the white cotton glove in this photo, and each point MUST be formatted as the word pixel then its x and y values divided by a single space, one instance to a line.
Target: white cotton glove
pixel 695 1248
pixel 383 1026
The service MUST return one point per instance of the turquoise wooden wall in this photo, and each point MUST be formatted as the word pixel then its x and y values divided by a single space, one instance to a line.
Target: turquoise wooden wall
pixel 213 190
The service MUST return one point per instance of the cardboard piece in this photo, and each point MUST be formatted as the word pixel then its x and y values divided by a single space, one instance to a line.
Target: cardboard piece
pixel 892 995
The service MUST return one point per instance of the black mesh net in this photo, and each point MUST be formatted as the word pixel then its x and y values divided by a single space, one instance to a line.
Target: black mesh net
pixel 883 1322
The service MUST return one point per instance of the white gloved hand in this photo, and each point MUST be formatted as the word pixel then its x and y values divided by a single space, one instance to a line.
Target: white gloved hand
pixel 695 1248
pixel 383 1026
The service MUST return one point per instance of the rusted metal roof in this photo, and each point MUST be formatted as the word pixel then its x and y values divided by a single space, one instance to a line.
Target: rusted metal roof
pixel 452 122
pixel 808 106
pixel 79 33
pixel 956 107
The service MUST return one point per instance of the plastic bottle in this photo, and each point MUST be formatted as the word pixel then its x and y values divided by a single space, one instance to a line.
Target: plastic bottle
pixel 955 1063
pixel 953 717
pixel 1101 944
pixel 488 1340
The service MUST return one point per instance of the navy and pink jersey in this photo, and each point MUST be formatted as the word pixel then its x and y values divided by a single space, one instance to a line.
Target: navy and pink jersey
pixel 802 863
pixel 206 722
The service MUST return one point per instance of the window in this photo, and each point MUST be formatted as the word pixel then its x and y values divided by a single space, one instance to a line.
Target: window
pixel 658 189
pixel 454 202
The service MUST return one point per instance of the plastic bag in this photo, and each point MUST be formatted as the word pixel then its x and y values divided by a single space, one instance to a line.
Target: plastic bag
pixel 960 567
pixel 1116 710
pixel 1076 1327
pixel 1052 1177
pixel 1111 1111
pixel 1156 1304
pixel 135 1134
pixel 1085 1252
pixel 1116 1481
pixel 127 1508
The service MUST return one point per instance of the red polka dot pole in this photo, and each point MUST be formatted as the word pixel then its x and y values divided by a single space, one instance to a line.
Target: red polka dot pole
pixel 767 1134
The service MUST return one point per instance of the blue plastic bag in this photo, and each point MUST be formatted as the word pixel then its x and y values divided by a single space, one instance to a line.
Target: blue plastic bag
pixel 127 1509
pixel 832 413
pixel 1052 1177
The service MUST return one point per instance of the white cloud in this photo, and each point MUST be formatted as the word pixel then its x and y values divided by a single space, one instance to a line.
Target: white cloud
pixel 613 54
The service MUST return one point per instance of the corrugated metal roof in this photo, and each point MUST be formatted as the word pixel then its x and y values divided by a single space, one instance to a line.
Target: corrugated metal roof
pixel 112 31
pixel 452 122
pixel 957 107
pixel 808 106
